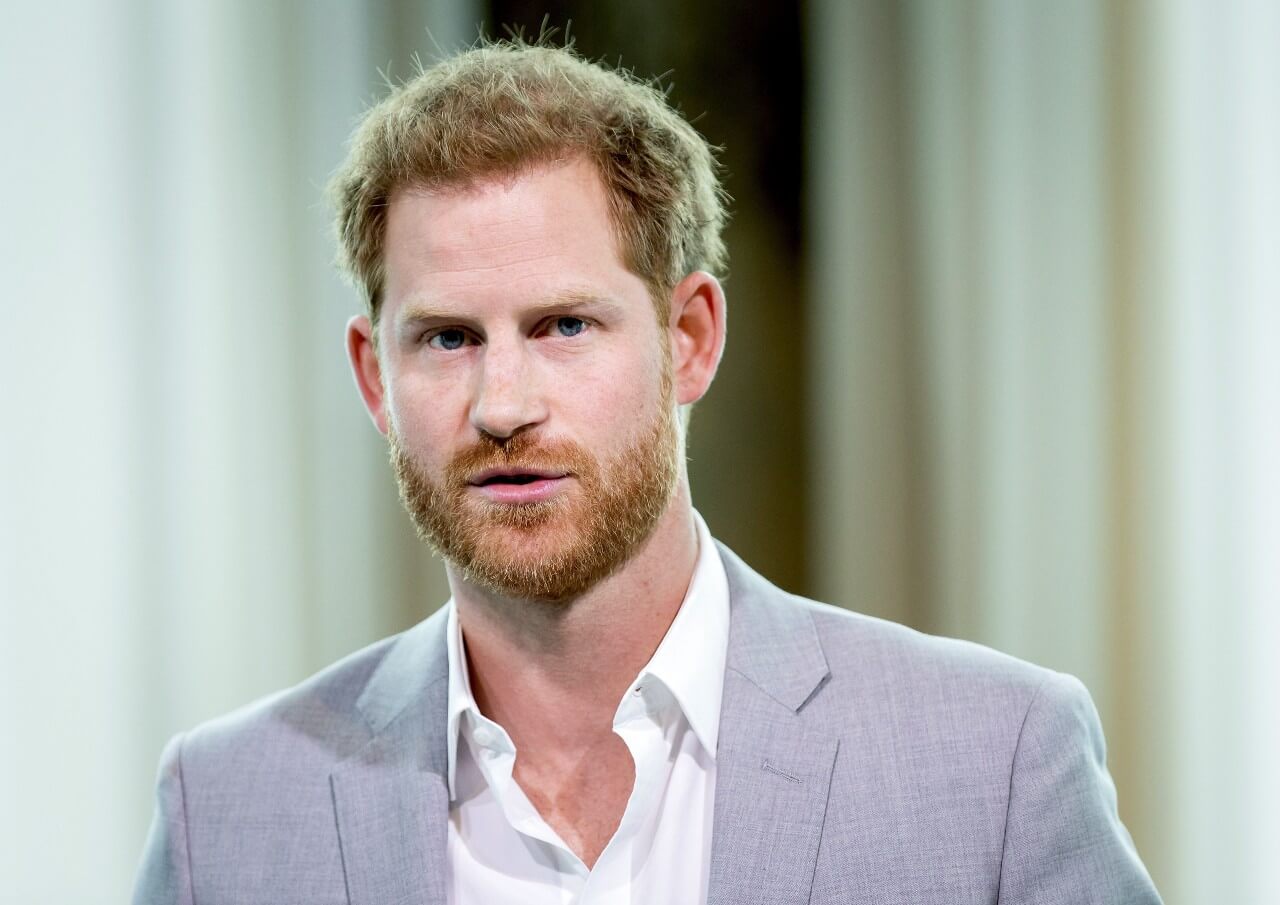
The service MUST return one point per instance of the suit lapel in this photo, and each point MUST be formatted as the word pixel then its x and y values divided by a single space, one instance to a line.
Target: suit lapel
pixel 391 798
pixel 392 822
pixel 773 773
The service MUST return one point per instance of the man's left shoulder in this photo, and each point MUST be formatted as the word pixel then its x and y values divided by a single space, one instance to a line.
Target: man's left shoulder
pixel 896 673
pixel 953 772
pixel 880 677
pixel 904 654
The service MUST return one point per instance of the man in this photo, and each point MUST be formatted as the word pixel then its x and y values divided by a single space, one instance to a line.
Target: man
pixel 612 707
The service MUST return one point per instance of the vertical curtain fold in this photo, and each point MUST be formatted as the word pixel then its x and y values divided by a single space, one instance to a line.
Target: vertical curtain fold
pixel 195 509
pixel 1045 229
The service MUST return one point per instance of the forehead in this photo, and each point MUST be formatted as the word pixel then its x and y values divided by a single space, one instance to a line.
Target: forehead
pixel 504 239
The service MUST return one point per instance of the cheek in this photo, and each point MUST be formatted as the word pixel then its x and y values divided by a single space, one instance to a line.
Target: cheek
pixel 425 414
pixel 614 394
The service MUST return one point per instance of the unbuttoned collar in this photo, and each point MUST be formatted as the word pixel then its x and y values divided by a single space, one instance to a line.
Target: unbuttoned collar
pixel 689 661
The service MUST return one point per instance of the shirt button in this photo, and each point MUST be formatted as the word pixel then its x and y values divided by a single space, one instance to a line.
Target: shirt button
pixel 485 738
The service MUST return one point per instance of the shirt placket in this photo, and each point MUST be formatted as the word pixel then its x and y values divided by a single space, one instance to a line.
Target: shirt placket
pixel 496 755
pixel 638 724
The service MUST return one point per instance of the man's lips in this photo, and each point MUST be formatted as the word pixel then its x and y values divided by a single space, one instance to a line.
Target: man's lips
pixel 513 476
pixel 515 486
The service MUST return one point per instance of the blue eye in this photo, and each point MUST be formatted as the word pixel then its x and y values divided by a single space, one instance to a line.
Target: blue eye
pixel 448 340
pixel 570 326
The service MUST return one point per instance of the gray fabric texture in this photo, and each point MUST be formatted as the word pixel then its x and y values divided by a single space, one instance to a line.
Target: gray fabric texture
pixel 859 762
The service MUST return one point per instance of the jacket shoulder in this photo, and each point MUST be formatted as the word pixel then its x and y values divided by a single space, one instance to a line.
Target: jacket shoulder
pixel 924 686
pixel 317 719
pixel 878 664
pixel 903 654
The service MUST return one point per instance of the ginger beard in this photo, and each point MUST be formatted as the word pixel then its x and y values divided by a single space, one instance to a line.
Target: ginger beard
pixel 555 549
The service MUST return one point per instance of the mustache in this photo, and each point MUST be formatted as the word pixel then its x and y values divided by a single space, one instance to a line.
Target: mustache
pixel 523 452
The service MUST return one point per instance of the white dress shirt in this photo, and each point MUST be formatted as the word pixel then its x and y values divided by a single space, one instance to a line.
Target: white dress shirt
pixel 500 850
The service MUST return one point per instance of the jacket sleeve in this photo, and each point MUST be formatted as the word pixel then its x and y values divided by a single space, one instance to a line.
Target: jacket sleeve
pixel 1064 842
pixel 164 878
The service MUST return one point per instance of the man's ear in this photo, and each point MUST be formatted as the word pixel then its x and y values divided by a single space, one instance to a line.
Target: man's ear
pixel 367 370
pixel 697 330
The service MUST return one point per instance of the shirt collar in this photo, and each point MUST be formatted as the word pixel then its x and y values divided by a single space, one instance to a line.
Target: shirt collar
pixel 689 661
pixel 461 701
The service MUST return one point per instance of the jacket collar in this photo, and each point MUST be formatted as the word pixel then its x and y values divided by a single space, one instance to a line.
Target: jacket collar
pixel 773 642
pixel 773 646
pixel 411 671
pixel 391 798
pixel 773 772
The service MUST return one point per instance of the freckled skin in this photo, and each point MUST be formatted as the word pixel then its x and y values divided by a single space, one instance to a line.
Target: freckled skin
pixel 491 261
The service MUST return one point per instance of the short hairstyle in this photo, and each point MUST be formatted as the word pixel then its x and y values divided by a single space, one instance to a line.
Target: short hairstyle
pixel 502 107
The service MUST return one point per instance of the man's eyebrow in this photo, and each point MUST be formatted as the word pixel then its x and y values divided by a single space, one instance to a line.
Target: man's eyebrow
pixel 576 299
pixel 568 300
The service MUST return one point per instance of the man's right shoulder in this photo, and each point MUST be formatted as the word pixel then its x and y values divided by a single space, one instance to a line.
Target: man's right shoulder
pixel 249 795
pixel 317 722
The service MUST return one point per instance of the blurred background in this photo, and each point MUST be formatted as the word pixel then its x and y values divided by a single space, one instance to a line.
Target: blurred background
pixel 1004 311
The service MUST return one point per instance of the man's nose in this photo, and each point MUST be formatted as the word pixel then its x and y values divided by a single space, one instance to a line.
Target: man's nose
pixel 506 399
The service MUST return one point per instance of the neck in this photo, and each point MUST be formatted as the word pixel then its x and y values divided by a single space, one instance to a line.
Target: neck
pixel 552 675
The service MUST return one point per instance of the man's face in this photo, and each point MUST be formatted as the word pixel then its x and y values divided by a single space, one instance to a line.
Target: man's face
pixel 529 400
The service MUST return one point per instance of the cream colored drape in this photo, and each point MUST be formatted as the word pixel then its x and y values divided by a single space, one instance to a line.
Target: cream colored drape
pixel 1046 404
pixel 194 509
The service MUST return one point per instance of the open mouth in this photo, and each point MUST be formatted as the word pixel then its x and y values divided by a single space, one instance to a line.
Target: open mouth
pixel 508 487
pixel 511 479
pixel 495 478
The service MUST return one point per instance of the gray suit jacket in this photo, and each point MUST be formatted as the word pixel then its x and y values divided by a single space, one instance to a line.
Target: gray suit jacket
pixel 858 761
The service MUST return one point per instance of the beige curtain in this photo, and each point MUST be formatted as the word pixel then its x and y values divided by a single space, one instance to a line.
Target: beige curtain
pixel 1046 307
pixel 194 510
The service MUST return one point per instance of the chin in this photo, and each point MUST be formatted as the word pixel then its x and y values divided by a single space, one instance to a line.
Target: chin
pixel 551 563
pixel 525 544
